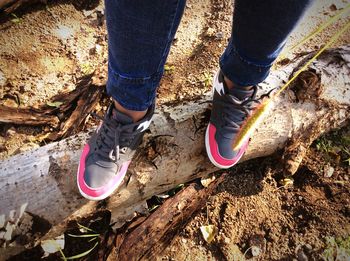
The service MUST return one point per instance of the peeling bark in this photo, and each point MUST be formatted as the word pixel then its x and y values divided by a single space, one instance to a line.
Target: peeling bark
pixel 66 117
pixel 26 116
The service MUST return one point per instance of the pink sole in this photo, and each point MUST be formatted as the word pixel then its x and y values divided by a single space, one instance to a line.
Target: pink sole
pixel 99 193
pixel 213 152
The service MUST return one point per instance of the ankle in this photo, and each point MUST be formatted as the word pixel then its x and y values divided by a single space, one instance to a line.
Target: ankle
pixel 134 115
pixel 232 85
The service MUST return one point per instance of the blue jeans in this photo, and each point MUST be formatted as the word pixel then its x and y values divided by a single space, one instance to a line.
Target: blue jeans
pixel 140 33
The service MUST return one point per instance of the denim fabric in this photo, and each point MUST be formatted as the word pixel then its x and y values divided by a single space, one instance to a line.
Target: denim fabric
pixel 259 31
pixel 140 33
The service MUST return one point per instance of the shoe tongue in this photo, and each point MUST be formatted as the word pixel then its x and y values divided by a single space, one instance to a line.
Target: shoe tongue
pixel 121 117
pixel 241 93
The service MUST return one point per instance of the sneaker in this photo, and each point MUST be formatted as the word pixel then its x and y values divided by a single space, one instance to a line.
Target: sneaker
pixel 230 109
pixel 106 157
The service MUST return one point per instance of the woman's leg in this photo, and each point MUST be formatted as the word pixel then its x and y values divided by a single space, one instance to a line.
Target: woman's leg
pixel 259 31
pixel 140 33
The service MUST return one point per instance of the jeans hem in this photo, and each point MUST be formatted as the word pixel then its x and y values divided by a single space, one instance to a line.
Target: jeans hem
pixel 242 71
pixel 133 93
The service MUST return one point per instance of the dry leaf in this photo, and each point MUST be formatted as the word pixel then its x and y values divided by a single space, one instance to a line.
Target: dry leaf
pixel 287 182
pixel 53 245
pixel 208 232
pixel 206 181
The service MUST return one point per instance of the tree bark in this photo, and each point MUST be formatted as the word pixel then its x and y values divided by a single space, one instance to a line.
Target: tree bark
pixel 152 236
pixel 11 5
pixel 66 117
pixel 42 182
pixel 26 116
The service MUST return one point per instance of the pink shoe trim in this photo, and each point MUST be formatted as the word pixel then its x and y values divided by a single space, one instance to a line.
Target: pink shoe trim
pixel 214 150
pixel 98 193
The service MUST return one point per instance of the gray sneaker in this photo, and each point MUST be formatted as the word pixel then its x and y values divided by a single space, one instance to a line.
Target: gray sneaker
pixel 230 109
pixel 106 157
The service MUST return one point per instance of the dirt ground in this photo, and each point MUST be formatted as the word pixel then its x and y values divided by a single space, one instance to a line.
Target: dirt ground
pixel 253 209
pixel 45 49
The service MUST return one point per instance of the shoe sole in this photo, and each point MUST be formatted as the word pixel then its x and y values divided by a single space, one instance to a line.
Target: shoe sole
pixel 211 158
pixel 103 196
pixel 82 186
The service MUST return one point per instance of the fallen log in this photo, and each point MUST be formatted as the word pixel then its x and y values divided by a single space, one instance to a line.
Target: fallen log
pixel 160 227
pixel 42 182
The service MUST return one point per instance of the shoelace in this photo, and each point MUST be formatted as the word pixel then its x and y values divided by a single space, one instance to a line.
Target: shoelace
pixel 230 119
pixel 114 133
